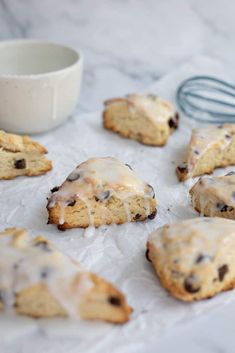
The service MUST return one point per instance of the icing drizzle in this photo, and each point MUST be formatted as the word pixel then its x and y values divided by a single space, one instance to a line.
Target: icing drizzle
pixel 25 262
pixel 150 106
pixel 101 178
pixel 183 242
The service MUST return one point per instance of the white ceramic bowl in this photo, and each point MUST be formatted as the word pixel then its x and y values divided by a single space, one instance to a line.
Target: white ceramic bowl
pixel 39 85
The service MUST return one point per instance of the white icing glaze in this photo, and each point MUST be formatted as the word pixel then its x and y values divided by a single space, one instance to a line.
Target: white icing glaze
pixel 152 107
pixel 207 137
pixel 149 106
pixel 185 240
pixel 100 178
pixel 25 262
pixel 218 191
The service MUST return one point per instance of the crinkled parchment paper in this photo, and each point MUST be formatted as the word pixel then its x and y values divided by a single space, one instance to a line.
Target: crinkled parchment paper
pixel 115 252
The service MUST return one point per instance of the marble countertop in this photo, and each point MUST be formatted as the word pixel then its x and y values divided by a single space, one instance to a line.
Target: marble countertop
pixel 129 45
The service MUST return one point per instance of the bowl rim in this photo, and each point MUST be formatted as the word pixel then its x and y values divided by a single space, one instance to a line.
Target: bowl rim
pixel 79 60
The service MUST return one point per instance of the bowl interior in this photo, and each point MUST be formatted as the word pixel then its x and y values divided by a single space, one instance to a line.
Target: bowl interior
pixel 34 58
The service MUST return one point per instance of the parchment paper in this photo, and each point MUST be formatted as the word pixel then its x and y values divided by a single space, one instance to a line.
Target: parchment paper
pixel 115 252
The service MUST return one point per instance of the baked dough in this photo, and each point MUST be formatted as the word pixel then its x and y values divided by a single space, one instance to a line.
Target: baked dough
pixel 194 259
pixel 20 155
pixel 215 196
pixel 101 191
pixel 209 148
pixel 39 281
pixel 146 118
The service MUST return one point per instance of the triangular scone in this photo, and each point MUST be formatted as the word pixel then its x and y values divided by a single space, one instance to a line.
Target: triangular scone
pixel 194 259
pixel 38 280
pixel 101 191
pixel 145 118
pixel 20 155
pixel 209 148
pixel 215 196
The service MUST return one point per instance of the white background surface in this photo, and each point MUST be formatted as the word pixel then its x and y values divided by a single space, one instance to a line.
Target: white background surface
pixel 128 45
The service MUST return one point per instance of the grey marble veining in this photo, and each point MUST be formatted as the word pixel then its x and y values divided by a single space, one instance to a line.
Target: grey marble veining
pixel 128 45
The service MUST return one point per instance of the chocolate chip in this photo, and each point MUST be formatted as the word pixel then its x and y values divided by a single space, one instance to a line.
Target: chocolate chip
pixel 104 195
pixel 20 164
pixel 153 193
pixel 43 244
pixel 45 272
pixel 114 300
pixel 182 168
pixel 153 214
pixel 55 189
pixel 147 255
pixel 190 286
pixel 128 165
pixel 200 258
pixel 72 203
pixel 228 137
pixel 196 152
pixel 177 116
pixel 220 127
pixel 222 271
pixel 137 216
pixel 173 123
pixel 222 207
pixel 73 176
pixel 230 173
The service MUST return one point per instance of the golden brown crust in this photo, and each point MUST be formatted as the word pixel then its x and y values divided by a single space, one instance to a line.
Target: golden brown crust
pixel 178 291
pixel 186 277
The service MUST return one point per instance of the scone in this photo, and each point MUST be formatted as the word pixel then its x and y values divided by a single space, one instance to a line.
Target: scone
pixel 209 148
pixel 194 259
pixel 215 196
pixel 20 155
pixel 145 118
pixel 101 191
pixel 39 281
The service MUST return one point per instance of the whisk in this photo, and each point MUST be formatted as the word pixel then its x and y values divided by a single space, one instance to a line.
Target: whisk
pixel 207 99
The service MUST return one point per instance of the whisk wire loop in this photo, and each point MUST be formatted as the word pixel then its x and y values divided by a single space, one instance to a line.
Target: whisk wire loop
pixel 207 99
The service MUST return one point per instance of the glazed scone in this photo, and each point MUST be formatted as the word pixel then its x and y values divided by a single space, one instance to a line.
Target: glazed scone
pixel 38 280
pixel 215 196
pixel 209 148
pixel 194 259
pixel 101 191
pixel 20 155
pixel 145 118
